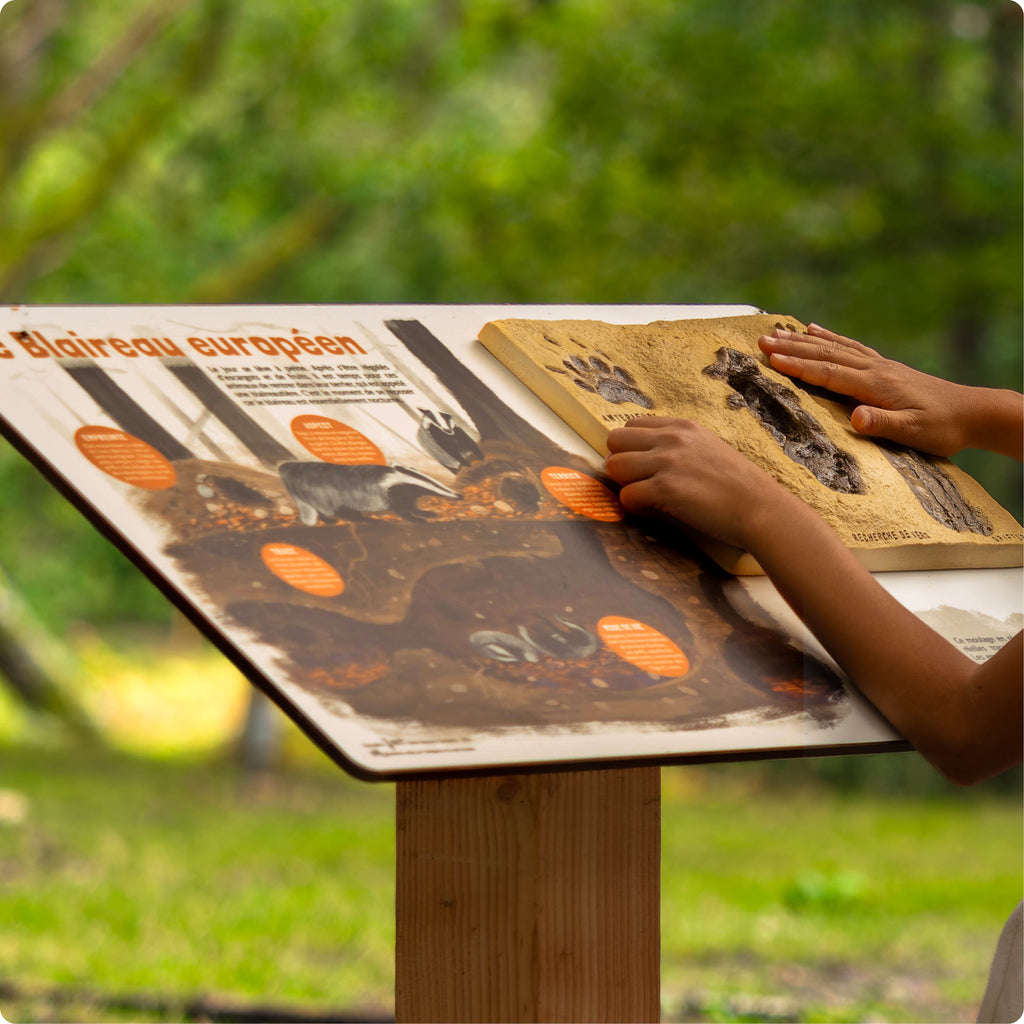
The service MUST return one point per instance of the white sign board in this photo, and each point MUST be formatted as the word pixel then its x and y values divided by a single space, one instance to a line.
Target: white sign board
pixel 411 554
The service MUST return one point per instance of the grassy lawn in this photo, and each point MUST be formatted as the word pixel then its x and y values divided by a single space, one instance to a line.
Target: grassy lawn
pixel 127 875
pixel 839 907
pixel 173 877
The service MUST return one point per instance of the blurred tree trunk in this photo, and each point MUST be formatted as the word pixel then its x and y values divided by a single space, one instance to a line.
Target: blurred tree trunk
pixel 36 666
pixel 262 737
pixel 28 120
pixel 1004 54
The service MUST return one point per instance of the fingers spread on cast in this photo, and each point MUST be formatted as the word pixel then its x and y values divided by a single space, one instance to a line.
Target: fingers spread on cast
pixel 819 343
pixel 680 469
pixel 822 358
pixel 644 447
pixel 646 433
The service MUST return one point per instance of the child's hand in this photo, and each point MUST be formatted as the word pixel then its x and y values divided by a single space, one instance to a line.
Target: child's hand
pixel 680 469
pixel 897 402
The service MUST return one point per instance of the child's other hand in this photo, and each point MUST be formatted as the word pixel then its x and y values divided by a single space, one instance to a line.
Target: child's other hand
pixel 897 402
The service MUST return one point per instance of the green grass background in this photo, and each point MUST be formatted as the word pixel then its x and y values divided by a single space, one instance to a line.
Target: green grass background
pixel 170 873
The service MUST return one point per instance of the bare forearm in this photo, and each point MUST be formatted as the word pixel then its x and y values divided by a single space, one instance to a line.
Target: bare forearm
pixel 930 692
pixel 964 718
pixel 994 421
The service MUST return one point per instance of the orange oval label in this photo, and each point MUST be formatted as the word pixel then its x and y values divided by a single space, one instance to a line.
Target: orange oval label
pixel 582 493
pixel 333 441
pixel 125 457
pixel 643 646
pixel 302 570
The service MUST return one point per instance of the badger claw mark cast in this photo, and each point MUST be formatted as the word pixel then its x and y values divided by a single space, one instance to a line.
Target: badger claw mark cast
pixel 777 409
pixel 936 491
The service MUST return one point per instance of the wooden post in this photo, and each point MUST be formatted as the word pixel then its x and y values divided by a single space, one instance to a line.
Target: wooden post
pixel 530 897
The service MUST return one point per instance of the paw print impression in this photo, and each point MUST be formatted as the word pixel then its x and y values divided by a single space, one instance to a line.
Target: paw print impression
pixel 598 375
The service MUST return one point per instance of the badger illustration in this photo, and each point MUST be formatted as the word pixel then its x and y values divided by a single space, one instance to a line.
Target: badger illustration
pixel 332 492
pixel 559 638
pixel 503 646
pixel 443 439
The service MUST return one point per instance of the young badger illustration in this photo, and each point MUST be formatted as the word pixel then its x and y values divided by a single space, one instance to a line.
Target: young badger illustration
pixel 332 492
pixel 443 439
pixel 557 637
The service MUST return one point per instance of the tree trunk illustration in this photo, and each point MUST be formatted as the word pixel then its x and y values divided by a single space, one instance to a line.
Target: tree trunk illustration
pixel 265 447
pixel 123 409
pixel 492 417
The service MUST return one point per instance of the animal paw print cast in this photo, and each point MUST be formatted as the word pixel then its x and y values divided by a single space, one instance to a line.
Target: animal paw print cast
pixel 614 384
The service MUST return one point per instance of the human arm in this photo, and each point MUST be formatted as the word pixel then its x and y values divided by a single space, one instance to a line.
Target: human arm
pixel 963 717
pixel 898 402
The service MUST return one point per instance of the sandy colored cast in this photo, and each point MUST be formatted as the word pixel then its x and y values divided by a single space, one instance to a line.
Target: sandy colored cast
pixel 893 507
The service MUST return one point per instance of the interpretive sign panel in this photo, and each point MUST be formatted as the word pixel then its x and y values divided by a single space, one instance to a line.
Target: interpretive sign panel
pixel 405 548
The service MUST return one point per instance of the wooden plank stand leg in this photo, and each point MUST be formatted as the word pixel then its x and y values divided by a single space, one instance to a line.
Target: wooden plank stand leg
pixel 529 897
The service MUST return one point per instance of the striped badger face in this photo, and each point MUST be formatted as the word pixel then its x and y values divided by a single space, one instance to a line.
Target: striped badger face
pixel 444 440
pixel 323 490
pixel 554 636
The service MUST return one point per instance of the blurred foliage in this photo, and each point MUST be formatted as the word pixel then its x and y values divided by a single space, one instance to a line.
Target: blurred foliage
pixel 856 164
pixel 888 776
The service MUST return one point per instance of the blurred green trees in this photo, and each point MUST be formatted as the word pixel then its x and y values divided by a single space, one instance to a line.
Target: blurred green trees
pixel 856 164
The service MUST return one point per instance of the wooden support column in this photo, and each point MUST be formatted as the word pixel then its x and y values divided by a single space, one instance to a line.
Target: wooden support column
pixel 530 897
